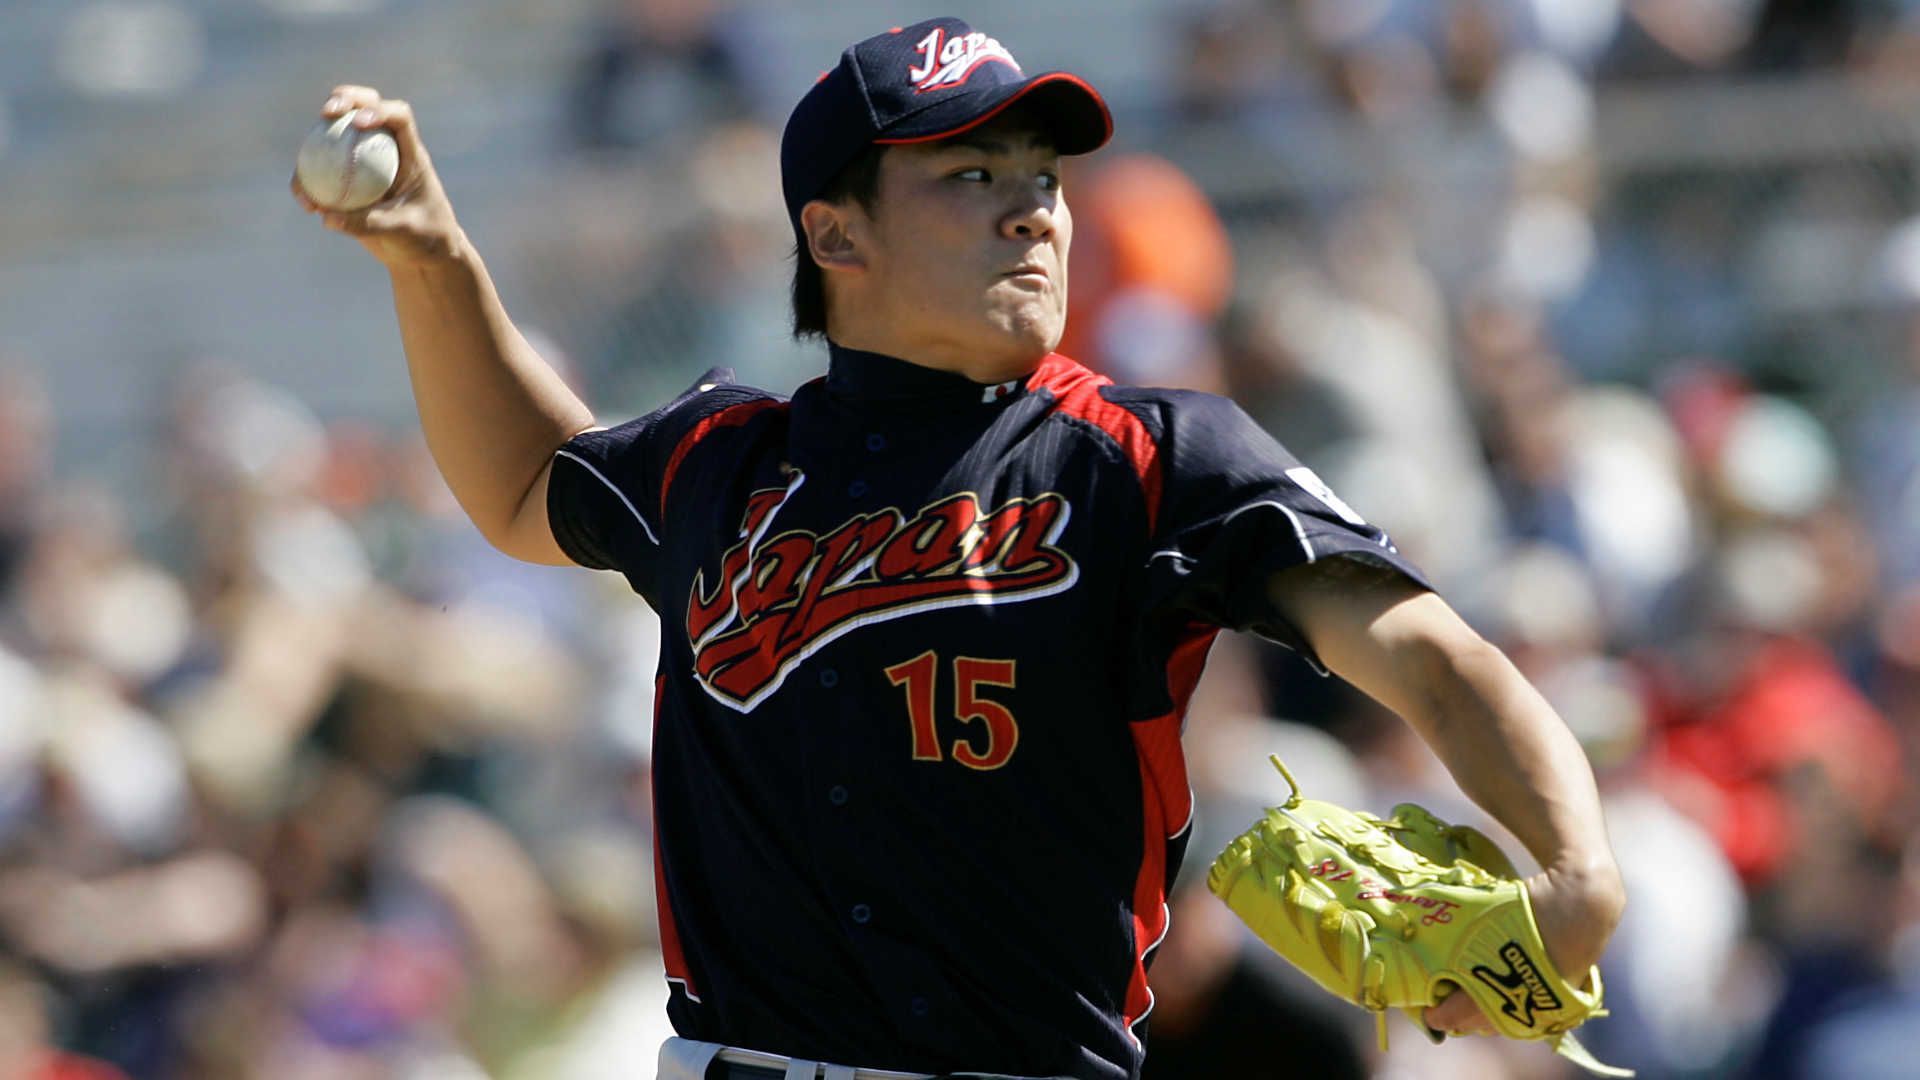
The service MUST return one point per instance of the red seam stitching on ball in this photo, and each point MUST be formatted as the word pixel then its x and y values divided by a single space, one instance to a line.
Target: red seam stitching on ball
pixel 353 163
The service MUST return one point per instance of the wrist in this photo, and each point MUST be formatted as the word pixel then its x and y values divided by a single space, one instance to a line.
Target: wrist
pixel 445 260
pixel 1596 880
pixel 442 252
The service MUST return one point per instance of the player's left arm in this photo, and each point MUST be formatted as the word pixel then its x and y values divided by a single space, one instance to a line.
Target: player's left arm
pixel 1504 745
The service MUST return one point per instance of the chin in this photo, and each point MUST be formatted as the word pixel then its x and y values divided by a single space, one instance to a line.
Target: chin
pixel 1029 332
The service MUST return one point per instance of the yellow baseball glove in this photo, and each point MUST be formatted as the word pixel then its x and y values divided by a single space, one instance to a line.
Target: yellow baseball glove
pixel 1397 912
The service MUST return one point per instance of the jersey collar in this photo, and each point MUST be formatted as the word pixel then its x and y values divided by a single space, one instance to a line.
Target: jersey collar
pixel 873 378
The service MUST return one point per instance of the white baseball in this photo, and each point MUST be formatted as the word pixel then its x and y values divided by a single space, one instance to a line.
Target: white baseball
pixel 343 167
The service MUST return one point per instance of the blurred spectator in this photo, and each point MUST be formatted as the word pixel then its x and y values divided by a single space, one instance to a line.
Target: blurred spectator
pixel 1151 268
pixel 1264 373
pixel 661 70
pixel 1371 328
pixel 1475 36
pixel 25 445
pixel 1235 58
pixel 26 1050
pixel 1756 705
pixel 1668 39
pixel 1885 452
pixel 702 290
pixel 1597 472
pixel 1869 1030
pixel 1793 35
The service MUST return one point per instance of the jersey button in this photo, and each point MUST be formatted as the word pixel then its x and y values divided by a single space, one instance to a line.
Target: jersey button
pixel 920 1006
pixel 862 914
pixel 857 489
pixel 876 442
pixel 829 678
pixel 837 795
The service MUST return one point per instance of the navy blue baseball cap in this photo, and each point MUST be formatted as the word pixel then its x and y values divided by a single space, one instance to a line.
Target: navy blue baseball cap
pixel 920 83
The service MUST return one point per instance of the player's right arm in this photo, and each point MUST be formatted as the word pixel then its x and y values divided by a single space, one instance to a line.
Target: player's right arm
pixel 493 411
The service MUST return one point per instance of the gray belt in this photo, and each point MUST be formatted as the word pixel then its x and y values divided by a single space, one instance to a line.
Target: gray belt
pixel 688 1059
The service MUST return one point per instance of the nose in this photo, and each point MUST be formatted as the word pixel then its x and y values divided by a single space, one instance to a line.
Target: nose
pixel 1032 219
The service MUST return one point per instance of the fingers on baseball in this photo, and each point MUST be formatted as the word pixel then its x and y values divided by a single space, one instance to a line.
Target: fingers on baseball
pixel 349 96
pixel 397 117
pixel 372 110
pixel 393 114
pixel 300 196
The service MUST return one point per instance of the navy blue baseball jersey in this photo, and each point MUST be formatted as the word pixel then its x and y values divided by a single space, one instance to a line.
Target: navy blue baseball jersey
pixel 918 785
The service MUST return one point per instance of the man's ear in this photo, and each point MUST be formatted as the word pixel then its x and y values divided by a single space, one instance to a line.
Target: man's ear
pixel 833 235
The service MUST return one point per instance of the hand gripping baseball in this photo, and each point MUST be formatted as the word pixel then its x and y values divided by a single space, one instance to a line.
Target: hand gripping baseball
pixel 1400 912
pixel 414 223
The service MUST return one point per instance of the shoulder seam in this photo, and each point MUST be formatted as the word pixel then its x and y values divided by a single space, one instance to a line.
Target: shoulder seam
pixel 613 487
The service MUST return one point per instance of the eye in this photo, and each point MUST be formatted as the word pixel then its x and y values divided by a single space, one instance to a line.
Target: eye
pixel 978 174
pixel 1050 181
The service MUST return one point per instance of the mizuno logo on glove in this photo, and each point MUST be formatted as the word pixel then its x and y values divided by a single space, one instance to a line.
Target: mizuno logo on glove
pixel 1522 987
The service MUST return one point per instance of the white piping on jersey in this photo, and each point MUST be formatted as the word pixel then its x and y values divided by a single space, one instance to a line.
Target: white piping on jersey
pixel 1312 660
pixel 1166 914
pixel 982 599
pixel 1191 804
pixel 1305 545
pixel 611 486
pixel 1299 532
pixel 685 988
pixel 1166 924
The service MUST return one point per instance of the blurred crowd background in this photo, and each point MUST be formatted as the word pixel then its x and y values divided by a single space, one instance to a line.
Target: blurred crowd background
pixel 1609 310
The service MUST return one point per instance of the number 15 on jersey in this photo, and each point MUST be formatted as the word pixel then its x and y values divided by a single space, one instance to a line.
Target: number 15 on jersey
pixel 993 734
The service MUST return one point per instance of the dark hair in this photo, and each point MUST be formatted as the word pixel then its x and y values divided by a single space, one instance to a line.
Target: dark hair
pixel 859 181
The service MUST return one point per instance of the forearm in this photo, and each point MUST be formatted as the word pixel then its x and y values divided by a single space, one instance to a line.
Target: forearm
pixel 1503 744
pixel 1512 755
pixel 493 411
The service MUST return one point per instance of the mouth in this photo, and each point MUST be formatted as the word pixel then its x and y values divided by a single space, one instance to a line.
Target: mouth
pixel 1028 271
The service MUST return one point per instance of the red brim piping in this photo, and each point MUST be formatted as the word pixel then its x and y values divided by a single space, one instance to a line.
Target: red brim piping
pixel 1106 115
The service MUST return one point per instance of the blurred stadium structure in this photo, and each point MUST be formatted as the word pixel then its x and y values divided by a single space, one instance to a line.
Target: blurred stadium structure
pixel 1606 308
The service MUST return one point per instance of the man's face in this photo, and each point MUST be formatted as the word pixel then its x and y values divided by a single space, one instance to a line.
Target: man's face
pixel 966 248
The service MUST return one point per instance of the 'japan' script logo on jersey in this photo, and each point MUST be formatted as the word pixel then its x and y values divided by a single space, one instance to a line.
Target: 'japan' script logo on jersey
pixel 947 62
pixel 779 599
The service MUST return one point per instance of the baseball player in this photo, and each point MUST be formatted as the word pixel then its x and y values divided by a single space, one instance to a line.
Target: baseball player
pixel 931 622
